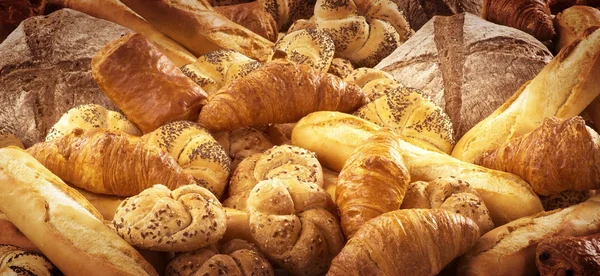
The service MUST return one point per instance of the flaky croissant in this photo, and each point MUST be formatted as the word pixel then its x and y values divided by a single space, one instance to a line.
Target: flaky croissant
pixel 406 242
pixel 373 181
pixel 109 162
pixel 530 16
pixel 559 155
pixel 278 92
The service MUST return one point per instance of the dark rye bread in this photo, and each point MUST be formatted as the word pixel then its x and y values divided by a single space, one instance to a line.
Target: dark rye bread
pixel 466 65
pixel 45 71
pixel 418 12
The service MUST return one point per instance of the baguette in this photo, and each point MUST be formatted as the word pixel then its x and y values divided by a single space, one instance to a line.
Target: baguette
pixel 572 23
pixel 61 222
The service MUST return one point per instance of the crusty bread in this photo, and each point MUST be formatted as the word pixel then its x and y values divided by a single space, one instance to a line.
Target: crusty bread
pixel 60 222
pixel 252 16
pixel 571 23
pixel 564 88
pixel 12 236
pixel 105 204
pixel 510 249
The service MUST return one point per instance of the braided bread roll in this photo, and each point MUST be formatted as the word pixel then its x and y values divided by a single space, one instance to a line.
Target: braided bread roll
pixel 196 151
pixel 406 242
pixel 90 116
pixel 185 219
pixel 451 194
pixel 282 162
pixel 218 68
pixel 109 162
pixel 16 261
pixel 312 47
pixel 286 12
pixel 242 143
pixel 293 224
pixel 364 31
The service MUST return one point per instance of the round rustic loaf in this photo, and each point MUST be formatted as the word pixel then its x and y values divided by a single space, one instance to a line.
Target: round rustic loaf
pixel 466 65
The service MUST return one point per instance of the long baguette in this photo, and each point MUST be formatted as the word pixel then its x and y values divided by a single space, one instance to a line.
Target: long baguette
pixel 333 136
pixel 60 222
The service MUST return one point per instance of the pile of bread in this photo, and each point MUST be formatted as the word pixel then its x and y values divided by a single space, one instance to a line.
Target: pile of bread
pixel 283 137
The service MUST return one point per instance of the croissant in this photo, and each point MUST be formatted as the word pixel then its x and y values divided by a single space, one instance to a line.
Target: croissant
pixel 373 181
pixel 108 162
pixel 569 256
pixel 530 16
pixel 559 155
pixel 406 242
pixel 278 92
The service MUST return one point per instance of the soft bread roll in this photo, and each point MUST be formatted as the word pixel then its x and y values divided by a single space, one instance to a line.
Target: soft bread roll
pixel 149 89
pixel 217 69
pixel 286 12
pixel 572 23
pixel 569 255
pixel 16 261
pixel 510 249
pixel 12 236
pixel 406 242
pixel 60 222
pixel 185 219
pixel 115 11
pixel 199 28
pixel 108 162
pixel 252 16
pixel 196 151
pixel 242 143
pixel 312 47
pixel 451 194
pixel 375 83
pixel 372 182
pixel 530 16
pixel 562 89
pixel 90 116
pixel 334 136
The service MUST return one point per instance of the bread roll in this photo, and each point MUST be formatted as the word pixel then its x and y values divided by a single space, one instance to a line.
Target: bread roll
pixel 312 47
pixel 185 219
pixel 242 143
pixel 571 24
pixel 510 249
pixel 419 12
pixel 286 12
pixel 60 222
pixel 252 16
pixel 334 136
pixel 565 199
pixel 149 89
pixel 340 67
pixel 16 261
pixel 90 116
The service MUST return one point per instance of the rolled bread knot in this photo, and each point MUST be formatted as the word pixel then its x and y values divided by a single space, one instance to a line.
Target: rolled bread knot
pixel 292 222
pixel 285 12
pixel 216 69
pixel 451 194
pixel 312 47
pixel 187 218
pixel 196 151
pixel 375 83
pixel 231 259
pixel 364 31
pixel 90 116
pixel 16 261
pixel 242 143
pixel 281 162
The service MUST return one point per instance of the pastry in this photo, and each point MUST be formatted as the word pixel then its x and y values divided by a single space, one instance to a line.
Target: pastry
pixel 252 16
pixel 569 255
pixel 530 16
pixel 242 143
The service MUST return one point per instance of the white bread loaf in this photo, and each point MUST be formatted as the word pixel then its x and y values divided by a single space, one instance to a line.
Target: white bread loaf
pixel 564 88
pixel 61 222
pixel 333 137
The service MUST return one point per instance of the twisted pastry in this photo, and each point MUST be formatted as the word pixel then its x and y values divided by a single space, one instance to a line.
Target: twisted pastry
pixel 187 218
pixel 16 261
pixel 364 31
pixel 218 68
pixel 109 162
pixel 242 143
pixel 373 181
pixel 286 12
pixel 451 194
pixel 90 116
pixel 310 46
pixel 293 224
pixel 559 155
pixel 530 16
pixel 282 162
pixel 196 151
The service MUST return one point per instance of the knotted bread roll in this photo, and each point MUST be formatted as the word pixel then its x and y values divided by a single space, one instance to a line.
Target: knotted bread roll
pixel 187 218
pixel 16 261
pixel 242 143
pixel 196 151
pixel 310 46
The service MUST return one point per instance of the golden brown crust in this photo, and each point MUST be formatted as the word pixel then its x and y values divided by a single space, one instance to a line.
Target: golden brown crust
pixel 144 84
pixel 12 236
pixel 17 261
pixel 569 256
pixel 530 16
pixel 406 242
pixel 572 22
pixel 7 140
pixel 559 155
pixel 312 47
pixel 252 16
pixel 373 181
pixel 107 162
pixel 278 92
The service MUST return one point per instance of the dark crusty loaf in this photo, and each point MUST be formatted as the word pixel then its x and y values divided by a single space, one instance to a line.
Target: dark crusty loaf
pixel 466 65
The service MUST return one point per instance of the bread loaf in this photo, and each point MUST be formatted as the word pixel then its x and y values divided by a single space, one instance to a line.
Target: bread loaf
pixel 12 236
pixel 466 65
pixel 60 222
pixel 13 12
pixel 571 24
pixel 419 12
pixel 564 88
